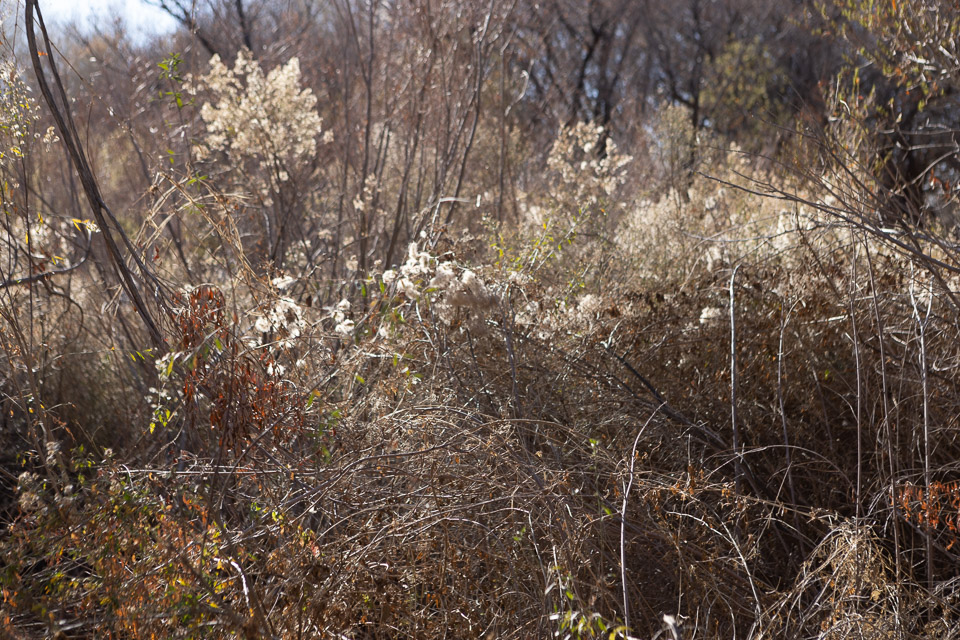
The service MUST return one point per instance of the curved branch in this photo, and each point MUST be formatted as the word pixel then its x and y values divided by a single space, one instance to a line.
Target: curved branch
pixel 46 275
pixel 68 134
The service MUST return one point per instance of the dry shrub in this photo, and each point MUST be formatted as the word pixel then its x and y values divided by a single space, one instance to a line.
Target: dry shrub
pixel 465 434
pixel 529 424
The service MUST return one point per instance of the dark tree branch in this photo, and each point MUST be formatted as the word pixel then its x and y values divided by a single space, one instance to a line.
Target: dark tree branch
pixel 71 139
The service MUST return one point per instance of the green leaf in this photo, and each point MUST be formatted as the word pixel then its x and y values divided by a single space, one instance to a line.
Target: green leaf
pixel 616 631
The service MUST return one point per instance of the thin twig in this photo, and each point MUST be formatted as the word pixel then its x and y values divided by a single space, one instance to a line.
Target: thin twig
pixel 623 521
pixel 738 471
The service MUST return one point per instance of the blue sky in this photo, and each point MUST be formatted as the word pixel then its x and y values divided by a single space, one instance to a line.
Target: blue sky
pixel 141 17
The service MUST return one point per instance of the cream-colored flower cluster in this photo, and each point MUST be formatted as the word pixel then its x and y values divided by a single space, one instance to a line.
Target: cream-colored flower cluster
pixel 544 321
pixel 30 487
pixel 363 199
pixel 423 276
pixel 284 318
pixel 345 325
pixel 418 266
pixel 584 188
pixel 260 115
pixel 18 112
pixel 586 174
